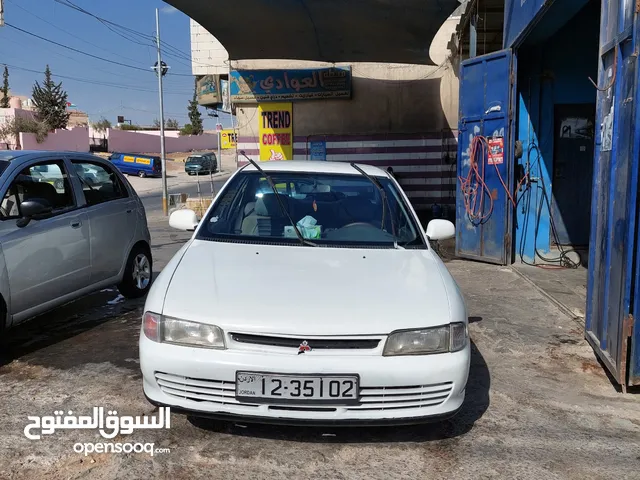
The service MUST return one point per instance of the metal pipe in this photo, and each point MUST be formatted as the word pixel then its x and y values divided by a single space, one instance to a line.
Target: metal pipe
pixel 165 192
pixel 473 37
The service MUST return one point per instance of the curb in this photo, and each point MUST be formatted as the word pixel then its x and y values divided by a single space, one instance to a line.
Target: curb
pixel 561 306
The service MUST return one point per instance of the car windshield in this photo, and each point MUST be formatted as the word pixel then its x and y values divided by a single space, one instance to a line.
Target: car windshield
pixel 194 160
pixel 329 210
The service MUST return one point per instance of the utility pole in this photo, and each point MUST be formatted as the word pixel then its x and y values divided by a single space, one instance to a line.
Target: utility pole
pixel 161 70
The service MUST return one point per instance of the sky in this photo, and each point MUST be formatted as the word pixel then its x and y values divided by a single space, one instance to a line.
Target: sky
pixel 107 89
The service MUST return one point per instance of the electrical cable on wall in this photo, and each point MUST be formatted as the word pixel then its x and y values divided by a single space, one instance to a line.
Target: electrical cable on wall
pixel 528 182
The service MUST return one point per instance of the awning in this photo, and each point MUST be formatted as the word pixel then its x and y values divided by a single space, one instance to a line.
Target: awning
pixel 389 31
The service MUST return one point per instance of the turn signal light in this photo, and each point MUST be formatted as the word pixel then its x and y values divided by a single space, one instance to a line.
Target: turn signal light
pixel 151 326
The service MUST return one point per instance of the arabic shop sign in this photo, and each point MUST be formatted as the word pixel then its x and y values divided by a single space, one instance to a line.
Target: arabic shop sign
pixel 275 129
pixel 208 90
pixel 250 86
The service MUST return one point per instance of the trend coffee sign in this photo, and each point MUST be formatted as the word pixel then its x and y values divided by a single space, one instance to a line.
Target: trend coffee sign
pixel 275 128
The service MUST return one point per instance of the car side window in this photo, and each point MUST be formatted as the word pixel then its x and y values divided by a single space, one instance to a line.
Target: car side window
pixel 47 181
pixel 99 183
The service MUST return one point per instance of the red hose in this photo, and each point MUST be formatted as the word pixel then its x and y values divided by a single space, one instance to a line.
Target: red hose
pixel 473 185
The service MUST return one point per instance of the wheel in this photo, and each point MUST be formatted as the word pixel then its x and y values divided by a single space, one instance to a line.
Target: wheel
pixel 58 184
pixel 141 174
pixel 136 280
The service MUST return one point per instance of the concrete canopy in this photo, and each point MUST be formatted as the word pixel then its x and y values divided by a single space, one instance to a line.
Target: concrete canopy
pixel 387 31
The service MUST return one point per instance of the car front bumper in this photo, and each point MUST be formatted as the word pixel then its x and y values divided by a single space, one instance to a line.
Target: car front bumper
pixel 393 390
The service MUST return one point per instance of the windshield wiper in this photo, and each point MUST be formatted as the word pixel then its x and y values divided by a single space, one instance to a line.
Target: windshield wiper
pixel 385 202
pixel 303 240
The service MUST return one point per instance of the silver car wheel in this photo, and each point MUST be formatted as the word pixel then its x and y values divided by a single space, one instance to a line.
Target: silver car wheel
pixel 141 271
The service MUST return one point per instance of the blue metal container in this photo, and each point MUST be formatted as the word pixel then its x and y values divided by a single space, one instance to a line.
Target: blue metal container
pixel 613 294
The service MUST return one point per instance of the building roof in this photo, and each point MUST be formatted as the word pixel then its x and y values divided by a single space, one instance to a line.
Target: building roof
pixel 323 30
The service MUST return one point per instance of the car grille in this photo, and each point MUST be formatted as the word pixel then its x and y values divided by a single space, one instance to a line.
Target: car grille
pixel 315 343
pixel 371 398
pixel 198 390
pixel 393 398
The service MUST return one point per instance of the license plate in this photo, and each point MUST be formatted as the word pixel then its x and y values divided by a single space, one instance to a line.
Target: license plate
pixel 274 388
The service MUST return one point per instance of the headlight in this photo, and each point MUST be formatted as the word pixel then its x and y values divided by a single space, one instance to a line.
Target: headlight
pixel 181 332
pixel 447 338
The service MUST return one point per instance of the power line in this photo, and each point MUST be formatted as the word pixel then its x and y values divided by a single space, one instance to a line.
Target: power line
pixel 94 82
pixel 88 54
pixel 113 26
pixel 65 31
pixel 77 60
pixel 75 49
pixel 129 31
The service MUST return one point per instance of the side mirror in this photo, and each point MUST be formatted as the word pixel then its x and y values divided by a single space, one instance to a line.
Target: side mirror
pixel 184 219
pixel 32 209
pixel 439 229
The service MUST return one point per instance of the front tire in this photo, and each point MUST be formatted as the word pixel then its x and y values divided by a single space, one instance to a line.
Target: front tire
pixel 142 174
pixel 136 280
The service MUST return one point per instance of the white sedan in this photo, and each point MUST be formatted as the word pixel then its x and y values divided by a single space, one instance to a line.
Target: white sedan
pixel 322 303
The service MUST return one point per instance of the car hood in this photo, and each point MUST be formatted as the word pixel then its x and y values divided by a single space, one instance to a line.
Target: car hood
pixel 306 290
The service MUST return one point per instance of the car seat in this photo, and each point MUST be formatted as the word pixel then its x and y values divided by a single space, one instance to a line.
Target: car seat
pixel 267 219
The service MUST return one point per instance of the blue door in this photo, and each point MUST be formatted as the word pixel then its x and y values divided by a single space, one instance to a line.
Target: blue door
pixel 613 290
pixel 485 158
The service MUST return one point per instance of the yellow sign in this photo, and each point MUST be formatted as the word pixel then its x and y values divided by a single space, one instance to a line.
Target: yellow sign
pixel 229 138
pixel 275 129
pixel 143 161
pixel 129 159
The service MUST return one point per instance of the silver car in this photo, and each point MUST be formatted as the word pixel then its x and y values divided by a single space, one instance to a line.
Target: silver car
pixel 62 236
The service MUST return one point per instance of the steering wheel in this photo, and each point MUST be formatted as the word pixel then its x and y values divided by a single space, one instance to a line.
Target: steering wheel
pixel 355 224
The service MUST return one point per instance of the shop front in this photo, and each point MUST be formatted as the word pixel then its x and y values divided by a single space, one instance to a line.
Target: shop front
pixel 548 156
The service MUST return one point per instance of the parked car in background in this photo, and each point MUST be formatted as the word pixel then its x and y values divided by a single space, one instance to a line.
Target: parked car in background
pixel 140 165
pixel 201 163
pixel 59 244
pixel 346 313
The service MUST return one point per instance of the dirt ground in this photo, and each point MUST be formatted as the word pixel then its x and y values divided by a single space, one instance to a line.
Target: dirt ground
pixel 538 404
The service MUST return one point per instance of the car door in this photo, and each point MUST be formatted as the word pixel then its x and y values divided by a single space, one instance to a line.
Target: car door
pixel 112 217
pixel 49 258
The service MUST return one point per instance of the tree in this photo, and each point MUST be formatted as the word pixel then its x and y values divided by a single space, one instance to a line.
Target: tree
pixel 101 125
pixel 187 129
pixel 50 102
pixel 4 101
pixel 156 123
pixel 195 116
pixel 16 125
pixel 172 124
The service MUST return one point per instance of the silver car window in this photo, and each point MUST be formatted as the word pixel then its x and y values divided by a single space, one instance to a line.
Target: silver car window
pixel 47 181
pixel 99 183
